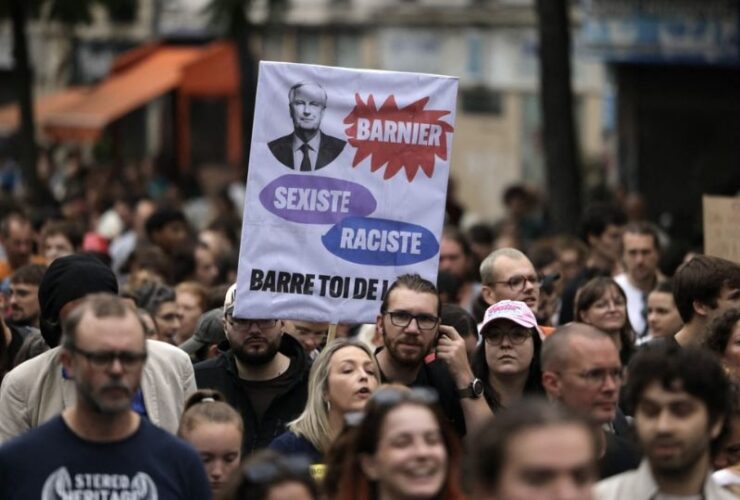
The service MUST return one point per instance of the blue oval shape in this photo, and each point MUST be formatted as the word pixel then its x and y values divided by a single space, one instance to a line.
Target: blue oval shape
pixel 313 199
pixel 380 242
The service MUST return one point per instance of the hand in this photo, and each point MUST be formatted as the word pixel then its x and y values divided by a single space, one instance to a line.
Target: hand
pixel 451 350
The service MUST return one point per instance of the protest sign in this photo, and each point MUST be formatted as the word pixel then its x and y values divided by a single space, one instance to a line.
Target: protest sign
pixel 722 227
pixel 346 189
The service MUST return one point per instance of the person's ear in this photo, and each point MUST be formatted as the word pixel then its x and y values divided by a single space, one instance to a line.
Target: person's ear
pixel 716 428
pixel 379 324
pixel 65 357
pixel 212 351
pixel 369 466
pixel 592 239
pixel 552 385
pixel 700 308
pixel 489 297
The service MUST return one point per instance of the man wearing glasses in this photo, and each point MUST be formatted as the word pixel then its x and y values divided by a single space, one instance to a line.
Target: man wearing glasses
pixel 263 374
pixel 507 274
pixel 39 389
pixel 581 369
pixel 99 447
pixel 410 327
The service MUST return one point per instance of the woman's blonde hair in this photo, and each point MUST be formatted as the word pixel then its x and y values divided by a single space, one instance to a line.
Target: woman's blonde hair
pixel 313 423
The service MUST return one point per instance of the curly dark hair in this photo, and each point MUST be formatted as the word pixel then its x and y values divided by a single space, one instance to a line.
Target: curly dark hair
pixel 698 371
pixel 720 331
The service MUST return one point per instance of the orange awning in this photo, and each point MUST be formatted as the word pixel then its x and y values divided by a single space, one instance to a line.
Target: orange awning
pixel 121 93
pixel 10 115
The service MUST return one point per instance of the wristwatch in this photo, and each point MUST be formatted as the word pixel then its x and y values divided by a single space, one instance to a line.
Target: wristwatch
pixel 473 391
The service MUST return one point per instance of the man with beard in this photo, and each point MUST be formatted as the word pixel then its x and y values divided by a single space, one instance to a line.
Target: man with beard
pixel 99 447
pixel 682 400
pixel 410 327
pixel 24 295
pixel 263 373
pixel 39 389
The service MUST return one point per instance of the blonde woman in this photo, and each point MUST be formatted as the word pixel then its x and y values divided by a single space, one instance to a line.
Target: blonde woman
pixel 342 379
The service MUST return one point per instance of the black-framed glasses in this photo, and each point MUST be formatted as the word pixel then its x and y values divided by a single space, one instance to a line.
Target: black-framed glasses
pixel 243 324
pixel 516 337
pixel 518 282
pixel 277 468
pixel 423 321
pixel 103 359
pixel 597 376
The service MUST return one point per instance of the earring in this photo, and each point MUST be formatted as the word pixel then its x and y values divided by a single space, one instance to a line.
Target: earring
pixel 328 406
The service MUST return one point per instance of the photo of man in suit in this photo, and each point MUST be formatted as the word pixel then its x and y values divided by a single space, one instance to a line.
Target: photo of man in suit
pixel 307 148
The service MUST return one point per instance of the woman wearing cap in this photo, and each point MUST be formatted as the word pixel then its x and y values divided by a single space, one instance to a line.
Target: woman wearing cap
pixel 508 358
pixel 342 379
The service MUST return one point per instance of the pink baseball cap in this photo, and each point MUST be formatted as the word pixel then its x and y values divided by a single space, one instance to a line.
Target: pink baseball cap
pixel 513 310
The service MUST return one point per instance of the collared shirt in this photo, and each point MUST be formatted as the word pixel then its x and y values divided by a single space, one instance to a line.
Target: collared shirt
pixel 313 150
pixel 639 484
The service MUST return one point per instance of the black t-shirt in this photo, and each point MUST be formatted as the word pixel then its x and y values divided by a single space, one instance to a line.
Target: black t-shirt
pixel 620 456
pixel 437 376
pixel 261 393
pixel 52 463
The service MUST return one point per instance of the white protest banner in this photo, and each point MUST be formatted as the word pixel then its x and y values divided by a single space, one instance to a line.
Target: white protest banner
pixel 346 189
pixel 722 227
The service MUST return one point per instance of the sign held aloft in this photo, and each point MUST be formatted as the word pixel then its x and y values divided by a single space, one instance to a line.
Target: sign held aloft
pixel 343 194
pixel 722 227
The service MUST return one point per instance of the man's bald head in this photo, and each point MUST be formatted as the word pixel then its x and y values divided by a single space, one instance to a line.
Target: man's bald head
pixel 556 348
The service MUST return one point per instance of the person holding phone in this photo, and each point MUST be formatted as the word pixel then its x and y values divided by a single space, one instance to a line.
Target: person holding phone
pixel 409 323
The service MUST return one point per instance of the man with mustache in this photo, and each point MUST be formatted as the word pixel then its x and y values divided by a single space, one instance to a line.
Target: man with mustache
pixel 410 327
pixel 40 388
pixel 581 369
pixel 99 447
pixel 681 399
pixel 263 373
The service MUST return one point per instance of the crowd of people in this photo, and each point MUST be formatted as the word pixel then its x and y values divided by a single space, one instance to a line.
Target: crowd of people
pixel 537 366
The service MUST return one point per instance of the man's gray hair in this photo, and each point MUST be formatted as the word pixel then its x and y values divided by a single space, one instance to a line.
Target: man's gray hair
pixel 298 85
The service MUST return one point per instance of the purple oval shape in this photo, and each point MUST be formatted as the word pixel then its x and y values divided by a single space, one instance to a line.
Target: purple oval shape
pixel 313 199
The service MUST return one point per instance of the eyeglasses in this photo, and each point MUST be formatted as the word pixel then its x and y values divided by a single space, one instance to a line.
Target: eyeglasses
pixel 597 376
pixel 276 469
pixel 243 324
pixel 516 337
pixel 423 321
pixel 518 282
pixel 103 359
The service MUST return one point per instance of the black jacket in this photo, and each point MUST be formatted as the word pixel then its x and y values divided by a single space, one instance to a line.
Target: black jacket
pixel 220 373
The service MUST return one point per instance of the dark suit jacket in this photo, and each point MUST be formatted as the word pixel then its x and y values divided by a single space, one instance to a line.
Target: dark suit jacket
pixel 329 149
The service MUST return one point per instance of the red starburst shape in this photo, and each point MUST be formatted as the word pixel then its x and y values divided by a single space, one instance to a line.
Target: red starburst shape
pixel 409 137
